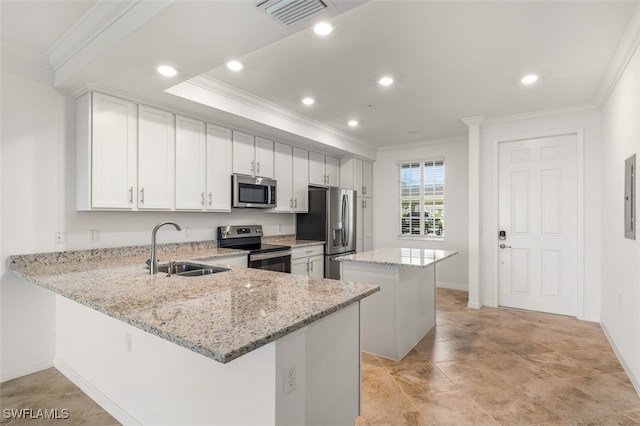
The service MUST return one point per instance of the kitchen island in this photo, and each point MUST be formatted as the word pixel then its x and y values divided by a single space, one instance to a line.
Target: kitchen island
pixel 244 346
pixel 403 312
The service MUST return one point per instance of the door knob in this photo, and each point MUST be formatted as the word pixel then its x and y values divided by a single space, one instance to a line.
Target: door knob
pixel 502 246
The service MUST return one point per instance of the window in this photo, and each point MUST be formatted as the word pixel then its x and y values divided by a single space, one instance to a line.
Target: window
pixel 421 186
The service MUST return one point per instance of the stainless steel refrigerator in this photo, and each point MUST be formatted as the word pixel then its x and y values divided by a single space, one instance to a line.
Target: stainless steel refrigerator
pixel 332 219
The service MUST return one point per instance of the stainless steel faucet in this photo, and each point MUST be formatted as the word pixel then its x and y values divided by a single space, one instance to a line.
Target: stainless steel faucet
pixel 153 266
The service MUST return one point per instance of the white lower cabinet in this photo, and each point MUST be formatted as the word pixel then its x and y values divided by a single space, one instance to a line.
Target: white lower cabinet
pixel 308 260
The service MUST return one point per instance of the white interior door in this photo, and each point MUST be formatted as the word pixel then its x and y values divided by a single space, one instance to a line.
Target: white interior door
pixel 538 212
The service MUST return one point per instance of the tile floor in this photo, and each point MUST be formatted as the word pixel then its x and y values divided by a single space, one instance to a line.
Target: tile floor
pixel 487 366
pixel 500 366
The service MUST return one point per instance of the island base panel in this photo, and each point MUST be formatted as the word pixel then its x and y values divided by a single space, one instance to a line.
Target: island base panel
pixel 396 318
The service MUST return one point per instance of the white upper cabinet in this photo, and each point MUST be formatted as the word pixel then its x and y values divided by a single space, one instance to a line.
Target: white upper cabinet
pixel 300 180
pixel 243 153
pixel 367 179
pixel 106 153
pixel 191 162
pixel 219 154
pixel 283 163
pixel 252 156
pixel 292 175
pixel 323 170
pixel 264 158
pixel 356 174
pixel 156 158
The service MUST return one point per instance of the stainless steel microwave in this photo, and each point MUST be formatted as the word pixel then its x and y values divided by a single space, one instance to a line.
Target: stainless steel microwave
pixel 253 192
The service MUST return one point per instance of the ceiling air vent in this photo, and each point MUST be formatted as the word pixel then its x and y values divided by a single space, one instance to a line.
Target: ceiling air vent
pixel 289 12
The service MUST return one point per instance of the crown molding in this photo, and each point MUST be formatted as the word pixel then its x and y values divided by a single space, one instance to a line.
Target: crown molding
pixel 625 51
pixel 24 54
pixel 418 144
pixel 96 21
pixel 248 99
pixel 574 109
pixel 474 121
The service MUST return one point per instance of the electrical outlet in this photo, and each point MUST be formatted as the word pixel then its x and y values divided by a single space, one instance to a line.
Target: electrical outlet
pixel 59 237
pixel 127 342
pixel 93 235
pixel 187 232
pixel 289 379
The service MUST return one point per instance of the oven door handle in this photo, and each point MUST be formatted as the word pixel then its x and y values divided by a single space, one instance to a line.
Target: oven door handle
pixel 272 255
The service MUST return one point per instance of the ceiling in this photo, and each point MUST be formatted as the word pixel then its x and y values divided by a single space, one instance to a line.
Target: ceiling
pixel 449 60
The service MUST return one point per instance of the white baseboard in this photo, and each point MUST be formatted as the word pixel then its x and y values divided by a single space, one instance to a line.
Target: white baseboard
pixel 94 393
pixel 473 305
pixel 634 380
pixel 449 286
pixel 10 375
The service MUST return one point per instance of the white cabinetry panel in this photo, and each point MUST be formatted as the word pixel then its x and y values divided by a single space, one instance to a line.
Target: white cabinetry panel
pixel 156 150
pixel 219 154
pixel 190 164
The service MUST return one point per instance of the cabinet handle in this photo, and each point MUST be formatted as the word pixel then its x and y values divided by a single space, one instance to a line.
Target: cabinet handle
pixel 364 190
pixel 210 199
pixel 202 198
pixel 311 265
pixel 142 195
pixel 258 167
pixel 327 179
pixel 295 203
pixel 291 202
pixel 253 167
pixel 309 251
pixel 131 195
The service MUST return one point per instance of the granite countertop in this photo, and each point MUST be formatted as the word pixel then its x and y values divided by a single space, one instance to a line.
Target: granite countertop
pixel 290 240
pixel 411 257
pixel 221 316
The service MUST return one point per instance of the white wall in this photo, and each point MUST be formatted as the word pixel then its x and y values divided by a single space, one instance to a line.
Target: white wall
pixel 38 199
pixel 454 272
pixel 620 256
pixel 580 119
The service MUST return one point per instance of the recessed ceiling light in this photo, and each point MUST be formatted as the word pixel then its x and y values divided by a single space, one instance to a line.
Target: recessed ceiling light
pixel 353 123
pixel 308 101
pixel 234 65
pixel 385 81
pixel 323 28
pixel 529 79
pixel 167 71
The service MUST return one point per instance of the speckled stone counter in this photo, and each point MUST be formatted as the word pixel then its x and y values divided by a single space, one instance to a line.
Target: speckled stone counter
pixel 290 240
pixel 221 316
pixel 412 257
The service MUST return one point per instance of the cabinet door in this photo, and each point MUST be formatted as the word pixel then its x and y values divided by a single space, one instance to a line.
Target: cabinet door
pixel 219 154
pixel 367 225
pixel 283 172
pixel 300 180
pixel 243 154
pixel 156 158
pixel 357 177
pixel 316 169
pixel 264 158
pixel 300 266
pixel 190 164
pixel 332 170
pixel 360 225
pixel 367 179
pixel 113 152
pixel 316 266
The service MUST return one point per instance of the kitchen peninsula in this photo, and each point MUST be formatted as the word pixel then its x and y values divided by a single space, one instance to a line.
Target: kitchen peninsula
pixel 244 346
pixel 396 318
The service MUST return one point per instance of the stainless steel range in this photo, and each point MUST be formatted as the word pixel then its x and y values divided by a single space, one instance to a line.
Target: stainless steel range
pixel 261 256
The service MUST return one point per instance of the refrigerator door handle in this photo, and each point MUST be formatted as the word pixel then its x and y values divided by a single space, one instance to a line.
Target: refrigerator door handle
pixel 345 230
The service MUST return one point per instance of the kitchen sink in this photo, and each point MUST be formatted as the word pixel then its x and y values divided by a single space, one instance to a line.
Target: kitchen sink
pixel 188 269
